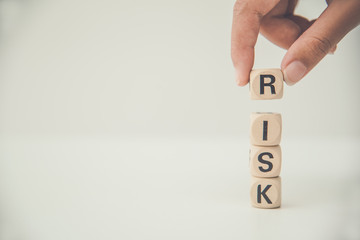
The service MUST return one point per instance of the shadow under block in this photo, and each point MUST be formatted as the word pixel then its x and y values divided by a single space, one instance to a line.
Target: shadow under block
pixel 265 192
pixel 265 129
pixel 265 162
pixel 266 84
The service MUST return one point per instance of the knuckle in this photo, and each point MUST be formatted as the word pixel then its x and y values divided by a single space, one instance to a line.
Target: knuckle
pixel 240 7
pixel 320 45
pixel 257 8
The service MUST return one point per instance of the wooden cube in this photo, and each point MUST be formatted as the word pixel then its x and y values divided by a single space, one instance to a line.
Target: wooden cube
pixel 266 84
pixel 265 129
pixel 265 161
pixel 265 192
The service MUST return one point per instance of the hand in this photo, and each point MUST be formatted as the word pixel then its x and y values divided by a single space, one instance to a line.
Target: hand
pixel 307 41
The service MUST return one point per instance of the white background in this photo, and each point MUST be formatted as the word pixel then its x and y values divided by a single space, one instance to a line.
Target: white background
pixel 122 120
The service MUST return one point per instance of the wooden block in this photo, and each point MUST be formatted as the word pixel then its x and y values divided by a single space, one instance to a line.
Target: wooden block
pixel 265 129
pixel 265 161
pixel 266 84
pixel 265 192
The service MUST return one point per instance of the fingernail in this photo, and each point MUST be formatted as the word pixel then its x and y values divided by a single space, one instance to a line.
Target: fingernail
pixel 294 72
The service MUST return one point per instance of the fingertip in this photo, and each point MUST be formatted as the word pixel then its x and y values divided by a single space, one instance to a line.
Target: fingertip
pixel 289 83
pixel 240 78
pixel 242 83
pixel 332 50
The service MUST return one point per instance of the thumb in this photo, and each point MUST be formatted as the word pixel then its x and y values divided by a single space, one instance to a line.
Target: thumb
pixel 335 22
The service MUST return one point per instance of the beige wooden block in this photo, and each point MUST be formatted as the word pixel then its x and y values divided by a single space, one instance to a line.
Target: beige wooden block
pixel 265 192
pixel 265 161
pixel 266 84
pixel 265 129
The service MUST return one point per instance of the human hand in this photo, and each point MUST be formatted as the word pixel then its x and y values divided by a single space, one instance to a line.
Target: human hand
pixel 307 41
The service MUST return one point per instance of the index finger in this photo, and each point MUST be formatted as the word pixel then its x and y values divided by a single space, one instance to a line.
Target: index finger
pixel 247 17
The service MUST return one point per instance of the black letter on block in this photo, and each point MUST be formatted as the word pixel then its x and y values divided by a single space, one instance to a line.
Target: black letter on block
pixel 260 158
pixel 270 84
pixel 265 130
pixel 263 193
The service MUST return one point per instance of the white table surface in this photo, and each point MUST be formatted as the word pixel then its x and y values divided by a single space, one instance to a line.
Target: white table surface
pixel 172 188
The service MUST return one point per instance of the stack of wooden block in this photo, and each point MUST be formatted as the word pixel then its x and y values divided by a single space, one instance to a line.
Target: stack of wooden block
pixel 265 136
